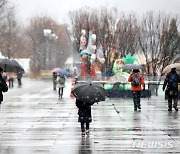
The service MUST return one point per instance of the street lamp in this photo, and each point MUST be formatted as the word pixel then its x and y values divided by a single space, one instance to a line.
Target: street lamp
pixel 47 55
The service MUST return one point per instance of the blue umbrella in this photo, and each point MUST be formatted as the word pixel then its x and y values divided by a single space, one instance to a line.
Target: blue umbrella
pixel 64 73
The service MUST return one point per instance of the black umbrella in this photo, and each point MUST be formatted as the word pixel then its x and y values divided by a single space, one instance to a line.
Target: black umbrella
pixel 6 64
pixel 17 67
pixel 89 92
pixel 10 65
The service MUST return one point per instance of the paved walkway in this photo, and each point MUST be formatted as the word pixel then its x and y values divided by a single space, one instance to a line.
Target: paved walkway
pixel 34 121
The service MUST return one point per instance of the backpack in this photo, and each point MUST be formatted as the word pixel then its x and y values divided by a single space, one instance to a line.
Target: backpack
pixel 136 80
pixel 172 81
pixel 61 80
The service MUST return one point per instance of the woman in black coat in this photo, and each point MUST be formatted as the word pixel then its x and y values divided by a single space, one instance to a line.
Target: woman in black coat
pixel 84 113
pixel 3 86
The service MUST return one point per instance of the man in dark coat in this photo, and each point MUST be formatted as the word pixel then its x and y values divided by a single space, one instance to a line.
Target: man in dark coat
pixel 172 79
pixel 19 76
pixel 84 113
pixel 3 86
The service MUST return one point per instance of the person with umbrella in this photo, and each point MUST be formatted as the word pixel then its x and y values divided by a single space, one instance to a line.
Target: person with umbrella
pixel 137 81
pixel 171 81
pixel 60 84
pixel 85 118
pixel 3 86
pixel 86 95
pixel 54 78
pixel 84 112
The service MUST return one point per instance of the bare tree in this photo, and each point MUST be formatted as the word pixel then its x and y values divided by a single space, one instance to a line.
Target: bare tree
pixel 3 7
pixel 117 35
pixel 170 43
pixel 9 32
pixel 128 33
pixel 59 49
pixel 155 39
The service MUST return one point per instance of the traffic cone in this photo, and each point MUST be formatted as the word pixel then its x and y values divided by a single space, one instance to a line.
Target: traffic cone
pixel 72 86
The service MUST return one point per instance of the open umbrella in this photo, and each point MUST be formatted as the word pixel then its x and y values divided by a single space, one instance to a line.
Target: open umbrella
pixel 168 68
pixel 55 69
pixel 64 73
pixel 17 67
pixel 6 64
pixel 132 66
pixel 10 65
pixel 89 92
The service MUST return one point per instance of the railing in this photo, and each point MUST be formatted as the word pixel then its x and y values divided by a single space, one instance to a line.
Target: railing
pixel 152 86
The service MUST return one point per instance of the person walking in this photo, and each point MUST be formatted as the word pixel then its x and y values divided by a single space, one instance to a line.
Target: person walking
pixel 137 82
pixel 54 78
pixel 171 82
pixel 11 80
pixel 60 84
pixel 19 76
pixel 3 86
pixel 84 112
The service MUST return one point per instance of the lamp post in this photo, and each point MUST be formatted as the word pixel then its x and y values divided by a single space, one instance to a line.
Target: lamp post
pixel 47 54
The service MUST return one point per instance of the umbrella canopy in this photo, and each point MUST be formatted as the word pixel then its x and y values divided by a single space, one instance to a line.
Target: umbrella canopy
pixel 10 65
pixel 6 64
pixel 55 69
pixel 168 68
pixel 89 92
pixel 17 67
pixel 132 66
pixel 64 73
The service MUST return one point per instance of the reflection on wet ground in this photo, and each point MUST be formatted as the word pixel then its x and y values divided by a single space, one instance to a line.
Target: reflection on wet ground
pixel 40 123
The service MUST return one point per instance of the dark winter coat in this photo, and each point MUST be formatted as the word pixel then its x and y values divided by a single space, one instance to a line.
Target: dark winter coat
pixel 3 87
pixel 84 111
pixel 19 75
pixel 167 81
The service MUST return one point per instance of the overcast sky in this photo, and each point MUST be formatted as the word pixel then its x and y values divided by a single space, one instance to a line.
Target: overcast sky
pixel 58 9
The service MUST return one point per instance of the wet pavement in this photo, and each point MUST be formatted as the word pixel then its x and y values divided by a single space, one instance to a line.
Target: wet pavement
pixel 34 121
